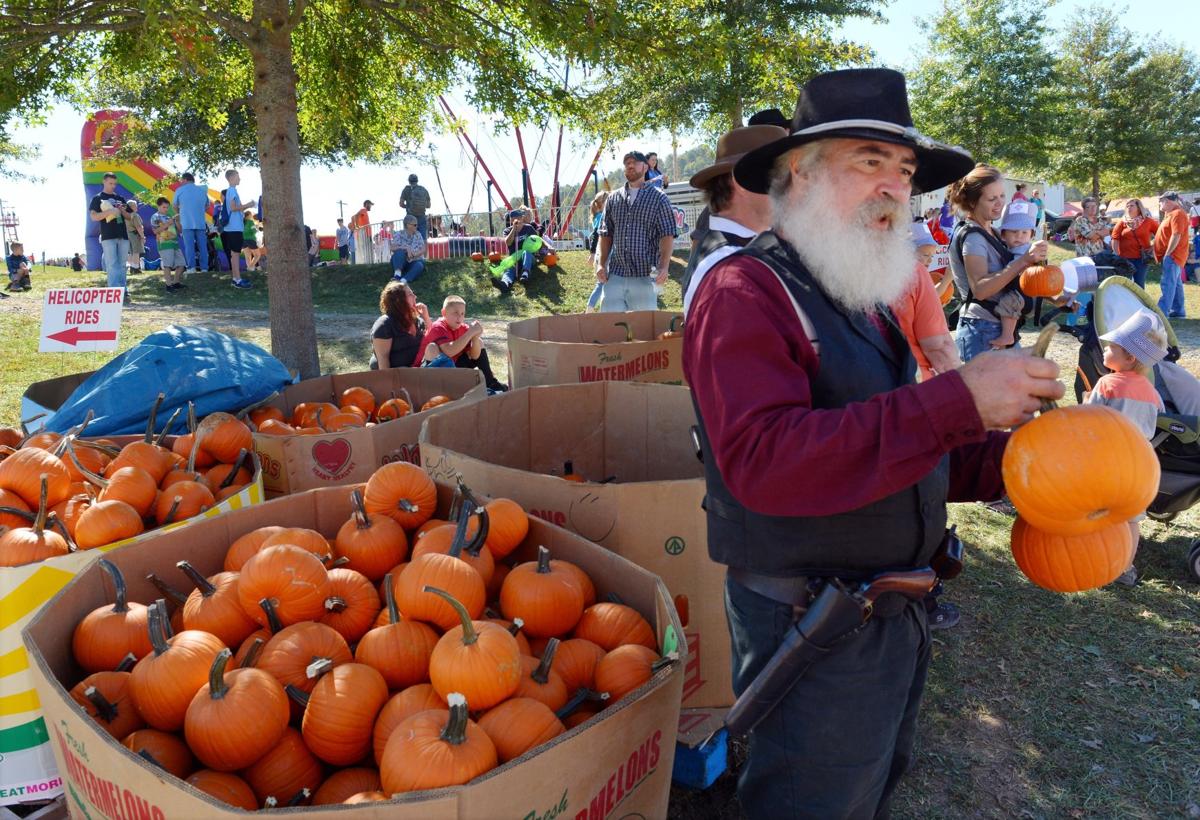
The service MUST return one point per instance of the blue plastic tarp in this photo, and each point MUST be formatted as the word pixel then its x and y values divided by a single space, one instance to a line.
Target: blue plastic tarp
pixel 217 372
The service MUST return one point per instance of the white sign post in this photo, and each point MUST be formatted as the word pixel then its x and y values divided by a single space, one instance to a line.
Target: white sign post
pixel 81 320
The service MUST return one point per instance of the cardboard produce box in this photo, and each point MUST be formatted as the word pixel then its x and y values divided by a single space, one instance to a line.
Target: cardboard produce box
pixel 515 446
pixel 590 347
pixel 28 772
pixel 618 764
pixel 292 464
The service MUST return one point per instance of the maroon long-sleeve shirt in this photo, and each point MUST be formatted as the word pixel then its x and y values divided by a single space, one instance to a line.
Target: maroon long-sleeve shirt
pixel 750 363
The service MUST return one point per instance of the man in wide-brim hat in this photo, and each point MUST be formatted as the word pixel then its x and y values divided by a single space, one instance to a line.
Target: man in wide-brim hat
pixel 735 215
pixel 823 458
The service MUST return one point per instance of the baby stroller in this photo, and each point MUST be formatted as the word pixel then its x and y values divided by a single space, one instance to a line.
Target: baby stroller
pixel 1177 442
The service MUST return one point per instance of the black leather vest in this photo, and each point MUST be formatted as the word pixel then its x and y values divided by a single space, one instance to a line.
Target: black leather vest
pixel 902 530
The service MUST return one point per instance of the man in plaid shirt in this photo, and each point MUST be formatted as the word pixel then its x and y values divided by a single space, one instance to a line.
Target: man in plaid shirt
pixel 636 238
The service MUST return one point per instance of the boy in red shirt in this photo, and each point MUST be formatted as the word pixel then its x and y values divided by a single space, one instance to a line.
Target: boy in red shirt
pixel 451 341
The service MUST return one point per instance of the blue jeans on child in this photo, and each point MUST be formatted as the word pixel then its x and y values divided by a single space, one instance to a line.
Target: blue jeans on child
pixel 410 270
pixel 622 293
pixel 1171 302
pixel 116 255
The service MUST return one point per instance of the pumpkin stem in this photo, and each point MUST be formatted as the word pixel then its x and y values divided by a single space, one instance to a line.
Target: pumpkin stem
pixel 84 471
pixel 167 428
pixel 362 521
pixel 150 423
pixel 158 637
pixel 335 603
pixel 581 695
pixel 39 523
pixel 469 635
pixel 216 675
pixel 238 464
pixel 300 796
pixel 169 592
pixel 120 591
pixel 203 584
pixel 318 667
pixel 318 419
pixel 516 626
pixel 542 673
pixel 175 502
pixel 191 417
pixel 26 514
pixel 25 423
pixel 298 695
pixel 273 622
pixel 111 452
pixel 250 408
pixel 106 710
pixel 568 468
pixel 476 544
pixel 455 732
pixel 543 561
pixel 407 506
pixel 251 656
pixel 412 408
pixel 191 462
pixel 126 663
pixel 145 755
pixel 72 434
pixel 389 598
pixel 334 563
pixel 55 523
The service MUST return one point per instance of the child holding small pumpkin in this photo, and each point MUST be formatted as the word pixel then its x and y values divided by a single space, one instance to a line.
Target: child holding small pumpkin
pixel 1016 231
pixel 1130 352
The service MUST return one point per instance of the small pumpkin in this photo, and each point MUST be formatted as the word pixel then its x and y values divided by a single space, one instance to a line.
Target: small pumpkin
pixel 21 473
pixel 223 436
pixel 518 725
pixel 286 770
pixel 1072 563
pixel 10 501
pixel 672 331
pixel 371 544
pixel 399 650
pixel 163 749
pixel 436 749
pixel 164 682
pixel 611 625
pixel 540 682
pixel 226 787
pixel 245 546
pixel 105 697
pixel 448 573
pixel 1042 280
pixel 293 580
pixel 182 500
pixel 1111 477
pixel 352 604
pixel 624 669
pixel 236 718
pixel 546 597
pixel 402 491
pixel 394 407
pixel 146 454
pixel 494 257
pixel 508 524
pixel 108 633
pixel 436 401
pixel 342 785
pixel 400 707
pixel 291 652
pixel 575 661
pixel 476 658
pixel 213 606
pixel 477 257
pixel 265 413
pixel 185 444
pixel 26 545
pixel 359 397
pixel 551 260
pixel 340 714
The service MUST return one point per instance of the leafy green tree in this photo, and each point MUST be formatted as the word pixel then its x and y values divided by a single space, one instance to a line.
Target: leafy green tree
pixel 272 82
pixel 985 80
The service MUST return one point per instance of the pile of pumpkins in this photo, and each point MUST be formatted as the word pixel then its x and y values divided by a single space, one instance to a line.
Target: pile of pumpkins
pixel 1078 476
pixel 404 653
pixel 356 407
pixel 61 493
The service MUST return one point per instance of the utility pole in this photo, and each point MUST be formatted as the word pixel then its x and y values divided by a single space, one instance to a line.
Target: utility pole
pixel 674 155
pixel 341 213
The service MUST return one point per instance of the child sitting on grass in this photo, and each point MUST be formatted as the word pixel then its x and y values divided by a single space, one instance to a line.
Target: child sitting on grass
pixel 1130 352
pixel 1016 231
pixel 451 341
pixel 18 268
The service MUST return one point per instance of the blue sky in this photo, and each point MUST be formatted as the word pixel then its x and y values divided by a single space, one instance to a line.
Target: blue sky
pixel 52 212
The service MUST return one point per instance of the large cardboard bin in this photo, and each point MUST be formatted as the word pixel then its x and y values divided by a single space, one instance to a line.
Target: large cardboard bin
pixel 515 446
pixel 292 464
pixel 28 772
pixel 618 764
pixel 591 347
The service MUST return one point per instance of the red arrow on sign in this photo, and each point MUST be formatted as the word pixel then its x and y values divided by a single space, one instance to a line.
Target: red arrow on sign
pixel 73 336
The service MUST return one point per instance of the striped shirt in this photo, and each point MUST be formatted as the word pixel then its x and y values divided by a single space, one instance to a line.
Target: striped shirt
pixel 636 224
pixel 1132 395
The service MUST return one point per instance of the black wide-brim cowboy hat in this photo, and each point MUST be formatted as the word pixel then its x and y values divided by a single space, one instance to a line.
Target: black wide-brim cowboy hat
pixel 858 103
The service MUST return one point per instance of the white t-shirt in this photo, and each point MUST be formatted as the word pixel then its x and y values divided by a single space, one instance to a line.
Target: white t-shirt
pixel 715 223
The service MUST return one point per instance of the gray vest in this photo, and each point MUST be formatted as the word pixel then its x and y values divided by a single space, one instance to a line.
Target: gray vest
pixel 901 530
pixel 705 244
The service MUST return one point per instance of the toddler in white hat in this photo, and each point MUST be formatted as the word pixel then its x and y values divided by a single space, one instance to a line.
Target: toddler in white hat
pixel 1016 231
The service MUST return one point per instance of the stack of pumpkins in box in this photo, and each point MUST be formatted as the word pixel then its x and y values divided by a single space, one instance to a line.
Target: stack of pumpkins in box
pixel 350 669
pixel 59 493
pixel 357 407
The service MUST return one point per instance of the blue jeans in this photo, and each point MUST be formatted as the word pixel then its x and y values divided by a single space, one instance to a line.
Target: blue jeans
pixel 442 360
pixel 622 293
pixel 1139 271
pixel 839 741
pixel 975 336
pixel 1171 302
pixel 594 299
pixel 199 236
pixel 521 270
pixel 410 270
pixel 422 225
pixel 116 255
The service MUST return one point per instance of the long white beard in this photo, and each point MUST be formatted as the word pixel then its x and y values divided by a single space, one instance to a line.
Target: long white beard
pixel 857 265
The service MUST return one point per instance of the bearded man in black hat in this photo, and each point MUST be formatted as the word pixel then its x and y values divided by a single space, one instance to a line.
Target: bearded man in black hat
pixel 825 463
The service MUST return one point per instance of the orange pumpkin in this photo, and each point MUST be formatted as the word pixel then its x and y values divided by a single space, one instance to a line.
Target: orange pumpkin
pixel 290 652
pixel 624 669
pixel 1111 476
pixel 546 597
pixel 163 749
pixel 223 436
pixel 518 725
pixel 164 682
pixel 284 771
pixel 399 708
pixel 612 625
pixel 236 718
pixel 25 545
pixel 341 711
pixel 477 257
pixel 672 331
pixel 292 580
pixel 105 696
pixel 445 572
pixel 402 491
pixel 394 408
pixel 1042 280
pixel 182 500
pixel 508 524
pixel 540 682
pixel 226 787
pixel 241 549
pixel 436 749
pixel 213 606
pixel 494 257
pixel 477 659
pixel 359 397
pixel 301 537
pixel 551 260
pixel 372 545
pixel 352 604
pixel 575 661
pixel 21 474
pixel 108 633
pixel 436 401
pixel 343 785
pixel 1072 563
pixel 12 501
pixel 266 413
pixel 399 650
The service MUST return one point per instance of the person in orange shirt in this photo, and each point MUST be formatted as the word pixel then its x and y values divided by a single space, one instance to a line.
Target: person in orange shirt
pixel 919 314
pixel 359 226
pixel 1132 237
pixel 1171 251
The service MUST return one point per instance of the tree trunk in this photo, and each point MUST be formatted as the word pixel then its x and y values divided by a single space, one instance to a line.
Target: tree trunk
pixel 293 327
pixel 1096 181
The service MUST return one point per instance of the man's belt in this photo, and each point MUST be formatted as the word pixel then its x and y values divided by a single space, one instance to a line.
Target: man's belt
pixel 798 591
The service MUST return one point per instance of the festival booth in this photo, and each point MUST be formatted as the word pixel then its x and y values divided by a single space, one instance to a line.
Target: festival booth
pixel 634 486
pixel 616 763
pixel 640 346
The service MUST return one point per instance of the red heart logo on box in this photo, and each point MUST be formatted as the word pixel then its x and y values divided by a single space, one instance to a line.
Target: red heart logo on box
pixel 332 456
